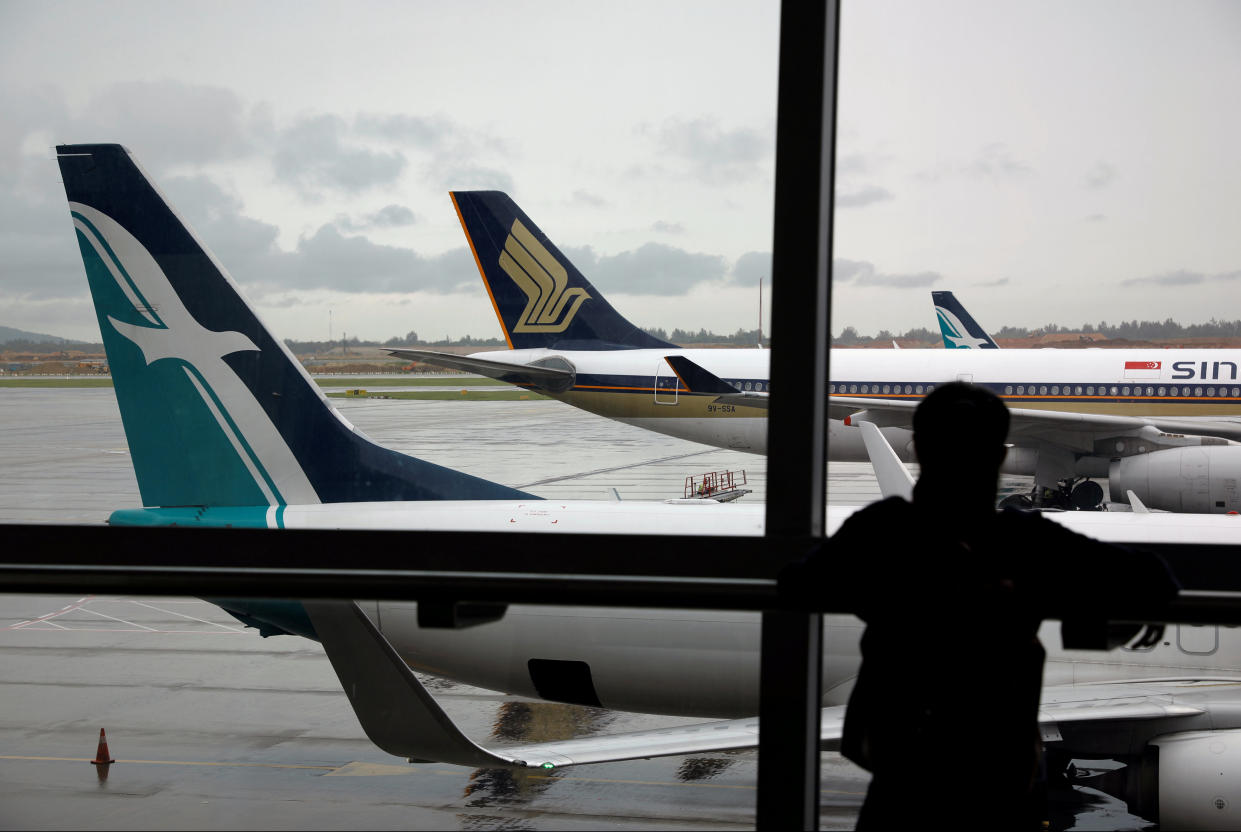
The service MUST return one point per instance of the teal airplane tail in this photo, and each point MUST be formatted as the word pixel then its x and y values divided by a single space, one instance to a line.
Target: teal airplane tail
pixel 958 328
pixel 217 412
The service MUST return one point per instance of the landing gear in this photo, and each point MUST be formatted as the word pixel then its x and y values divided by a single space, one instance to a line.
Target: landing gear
pixel 1072 494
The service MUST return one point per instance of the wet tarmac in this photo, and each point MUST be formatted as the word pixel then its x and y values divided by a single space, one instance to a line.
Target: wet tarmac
pixel 215 727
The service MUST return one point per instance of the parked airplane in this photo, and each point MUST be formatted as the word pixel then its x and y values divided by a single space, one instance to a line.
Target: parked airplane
pixel 1157 423
pixel 225 428
pixel 958 328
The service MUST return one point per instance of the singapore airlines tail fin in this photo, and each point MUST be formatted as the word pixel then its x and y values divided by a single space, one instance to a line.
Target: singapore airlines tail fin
pixel 217 412
pixel 958 327
pixel 541 299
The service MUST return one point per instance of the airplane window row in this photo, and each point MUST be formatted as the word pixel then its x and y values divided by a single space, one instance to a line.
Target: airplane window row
pixel 1117 390
pixel 751 385
pixel 871 389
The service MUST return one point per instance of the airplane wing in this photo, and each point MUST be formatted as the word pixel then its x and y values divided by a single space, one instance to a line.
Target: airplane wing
pixel 528 375
pixel 401 717
pixel 697 379
pixel 1077 431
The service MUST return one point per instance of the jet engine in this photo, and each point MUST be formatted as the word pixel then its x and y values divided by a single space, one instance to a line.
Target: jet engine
pixel 1199 780
pixel 1201 480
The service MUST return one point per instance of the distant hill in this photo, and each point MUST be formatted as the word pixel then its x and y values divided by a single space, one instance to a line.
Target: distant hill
pixel 8 333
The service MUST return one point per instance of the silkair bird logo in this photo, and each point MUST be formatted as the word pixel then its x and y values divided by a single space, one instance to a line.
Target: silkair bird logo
pixel 956 332
pixel 551 306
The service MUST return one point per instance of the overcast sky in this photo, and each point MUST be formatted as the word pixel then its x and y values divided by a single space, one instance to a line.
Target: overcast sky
pixel 1060 161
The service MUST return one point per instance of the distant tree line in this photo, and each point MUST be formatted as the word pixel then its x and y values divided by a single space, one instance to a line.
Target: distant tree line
pixel 1134 330
pixel 49 347
pixel 740 338
pixel 1127 330
pixel 849 337
pixel 410 339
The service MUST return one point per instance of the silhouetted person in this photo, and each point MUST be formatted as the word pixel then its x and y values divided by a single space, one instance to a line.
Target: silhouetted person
pixel 944 712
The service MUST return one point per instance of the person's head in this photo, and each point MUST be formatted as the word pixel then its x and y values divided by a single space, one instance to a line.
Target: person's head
pixel 959 433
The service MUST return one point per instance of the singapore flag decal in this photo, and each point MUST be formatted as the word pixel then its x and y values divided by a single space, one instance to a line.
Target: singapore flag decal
pixel 1142 369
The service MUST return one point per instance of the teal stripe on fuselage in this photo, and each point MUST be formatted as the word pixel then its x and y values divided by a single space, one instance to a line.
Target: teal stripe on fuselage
pixel 235 517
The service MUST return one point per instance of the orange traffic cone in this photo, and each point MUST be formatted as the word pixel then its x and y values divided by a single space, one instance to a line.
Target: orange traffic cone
pixel 102 757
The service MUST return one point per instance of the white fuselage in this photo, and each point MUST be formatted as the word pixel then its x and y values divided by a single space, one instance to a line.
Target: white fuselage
pixel 704 663
pixel 638 387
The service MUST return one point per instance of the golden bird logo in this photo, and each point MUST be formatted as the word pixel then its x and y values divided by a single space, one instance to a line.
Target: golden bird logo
pixel 550 305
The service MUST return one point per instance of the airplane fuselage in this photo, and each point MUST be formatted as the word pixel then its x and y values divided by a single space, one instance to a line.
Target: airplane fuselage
pixel 640 659
pixel 638 387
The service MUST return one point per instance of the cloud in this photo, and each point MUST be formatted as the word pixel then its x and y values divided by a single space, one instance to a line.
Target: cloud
pixel 1096 218
pixel 170 122
pixel 1003 281
pixel 750 267
pixel 993 161
pixel 1100 176
pixel 427 133
pixel 865 196
pixel 390 216
pixel 862 273
pixel 314 156
pixel 663 227
pixel 467 176
pixel 1177 278
pixel 1181 277
pixel 216 215
pixel 588 199
pixel 328 259
pixel 652 269
pixel 717 156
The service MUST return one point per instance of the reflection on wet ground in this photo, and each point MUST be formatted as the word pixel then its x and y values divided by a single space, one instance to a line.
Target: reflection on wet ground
pixel 531 722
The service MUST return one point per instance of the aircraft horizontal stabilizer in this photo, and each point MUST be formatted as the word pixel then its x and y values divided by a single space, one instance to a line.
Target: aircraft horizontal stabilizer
pixel 401 717
pixel 699 380
pixel 525 375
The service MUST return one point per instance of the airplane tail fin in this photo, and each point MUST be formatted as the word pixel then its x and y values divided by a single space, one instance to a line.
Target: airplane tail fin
pixel 958 327
pixel 541 299
pixel 217 412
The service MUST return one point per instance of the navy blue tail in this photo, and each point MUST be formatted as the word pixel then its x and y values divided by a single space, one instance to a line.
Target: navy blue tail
pixel 217 412
pixel 958 328
pixel 541 299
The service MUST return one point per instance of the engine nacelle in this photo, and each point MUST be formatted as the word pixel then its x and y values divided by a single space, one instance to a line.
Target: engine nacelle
pixel 1201 480
pixel 1200 780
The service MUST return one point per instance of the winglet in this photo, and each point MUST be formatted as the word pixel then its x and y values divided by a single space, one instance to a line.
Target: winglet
pixel 394 708
pixel 894 478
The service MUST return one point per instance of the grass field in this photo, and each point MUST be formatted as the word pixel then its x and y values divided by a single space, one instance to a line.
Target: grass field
pixel 71 381
pixel 330 381
pixel 510 395
pixel 406 381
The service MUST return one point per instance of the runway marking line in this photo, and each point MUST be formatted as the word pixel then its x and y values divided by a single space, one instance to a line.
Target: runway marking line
pixel 361 769
pixel 385 769
pixel 120 620
pixel 131 626
pixel 165 762
pixel 190 617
